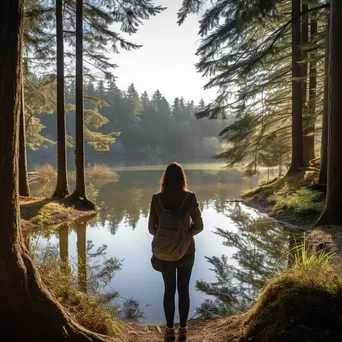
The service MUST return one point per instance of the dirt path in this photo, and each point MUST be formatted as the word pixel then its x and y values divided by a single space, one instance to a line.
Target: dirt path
pixel 216 330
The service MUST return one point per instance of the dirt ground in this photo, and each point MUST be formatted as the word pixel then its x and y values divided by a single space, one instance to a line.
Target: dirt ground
pixel 216 330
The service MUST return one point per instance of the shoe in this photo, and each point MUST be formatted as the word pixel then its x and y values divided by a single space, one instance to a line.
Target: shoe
pixel 182 333
pixel 169 335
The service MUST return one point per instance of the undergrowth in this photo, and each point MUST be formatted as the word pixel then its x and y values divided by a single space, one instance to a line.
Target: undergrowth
pixel 303 303
pixel 291 192
pixel 90 309
pixel 301 201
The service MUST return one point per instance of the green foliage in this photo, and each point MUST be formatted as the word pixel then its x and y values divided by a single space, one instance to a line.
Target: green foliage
pixel 246 52
pixel 302 201
pixel 151 130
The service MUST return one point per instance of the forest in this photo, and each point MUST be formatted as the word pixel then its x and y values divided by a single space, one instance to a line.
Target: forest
pixel 124 129
pixel 275 65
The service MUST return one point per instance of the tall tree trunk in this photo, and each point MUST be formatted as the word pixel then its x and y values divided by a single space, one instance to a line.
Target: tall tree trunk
pixel 62 188
pixel 333 212
pixel 80 191
pixel 324 140
pixel 308 142
pixel 27 310
pixel 297 108
pixel 81 229
pixel 24 189
pixel 312 93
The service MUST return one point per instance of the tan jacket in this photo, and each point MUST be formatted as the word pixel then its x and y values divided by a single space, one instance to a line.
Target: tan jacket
pixel 172 200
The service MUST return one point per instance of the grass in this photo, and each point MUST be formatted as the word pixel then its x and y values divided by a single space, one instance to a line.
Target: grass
pixel 290 193
pixel 301 201
pixel 303 303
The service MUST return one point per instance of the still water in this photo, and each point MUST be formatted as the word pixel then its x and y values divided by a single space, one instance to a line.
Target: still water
pixel 238 248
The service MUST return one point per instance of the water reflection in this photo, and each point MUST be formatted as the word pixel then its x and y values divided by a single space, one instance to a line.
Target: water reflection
pixel 241 246
pixel 261 250
pixel 129 199
pixel 81 229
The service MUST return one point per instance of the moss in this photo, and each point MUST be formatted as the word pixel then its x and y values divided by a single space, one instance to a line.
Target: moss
pixel 303 303
pixel 38 213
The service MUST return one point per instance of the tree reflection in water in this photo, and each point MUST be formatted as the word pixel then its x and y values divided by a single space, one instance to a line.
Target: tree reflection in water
pixel 127 200
pixel 94 271
pixel 261 249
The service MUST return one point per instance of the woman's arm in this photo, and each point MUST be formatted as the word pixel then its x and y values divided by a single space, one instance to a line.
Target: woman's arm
pixel 196 217
pixel 153 218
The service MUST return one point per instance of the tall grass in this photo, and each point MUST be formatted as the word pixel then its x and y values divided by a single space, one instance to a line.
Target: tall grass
pixel 302 303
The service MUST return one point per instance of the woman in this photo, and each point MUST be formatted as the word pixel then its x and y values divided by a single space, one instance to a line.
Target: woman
pixel 173 194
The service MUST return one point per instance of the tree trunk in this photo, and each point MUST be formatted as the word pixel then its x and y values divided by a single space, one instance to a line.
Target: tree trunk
pixel 24 189
pixel 312 94
pixel 80 175
pixel 333 212
pixel 27 310
pixel 324 140
pixel 81 229
pixel 62 188
pixel 308 136
pixel 297 108
pixel 80 191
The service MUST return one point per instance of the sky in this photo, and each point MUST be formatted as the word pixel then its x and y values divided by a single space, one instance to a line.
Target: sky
pixel 167 59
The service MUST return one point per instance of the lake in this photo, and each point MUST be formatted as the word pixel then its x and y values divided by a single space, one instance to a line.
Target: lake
pixel 237 249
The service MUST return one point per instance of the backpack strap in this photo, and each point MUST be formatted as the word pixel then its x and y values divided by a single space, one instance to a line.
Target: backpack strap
pixel 160 202
pixel 184 200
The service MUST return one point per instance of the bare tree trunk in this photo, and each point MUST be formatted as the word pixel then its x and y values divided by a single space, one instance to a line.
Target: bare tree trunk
pixel 324 141
pixel 27 310
pixel 80 191
pixel 297 108
pixel 312 94
pixel 24 189
pixel 308 137
pixel 62 188
pixel 333 212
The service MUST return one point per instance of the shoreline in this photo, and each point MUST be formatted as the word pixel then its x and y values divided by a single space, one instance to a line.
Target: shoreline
pixel 39 212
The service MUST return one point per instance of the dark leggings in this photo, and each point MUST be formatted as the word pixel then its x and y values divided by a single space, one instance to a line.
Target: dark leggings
pixel 183 270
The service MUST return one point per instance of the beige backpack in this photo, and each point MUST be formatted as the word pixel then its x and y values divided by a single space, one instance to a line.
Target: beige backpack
pixel 172 239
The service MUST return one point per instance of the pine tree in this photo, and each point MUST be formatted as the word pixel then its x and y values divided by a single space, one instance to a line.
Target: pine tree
pixel 80 190
pixel 323 172
pixel 62 187
pixel 22 291
pixel 254 74
pixel 297 95
pixel 332 213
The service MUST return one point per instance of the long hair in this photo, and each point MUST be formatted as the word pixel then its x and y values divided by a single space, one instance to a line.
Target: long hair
pixel 173 178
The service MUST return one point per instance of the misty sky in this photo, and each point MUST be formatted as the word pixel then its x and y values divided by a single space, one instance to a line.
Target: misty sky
pixel 167 59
